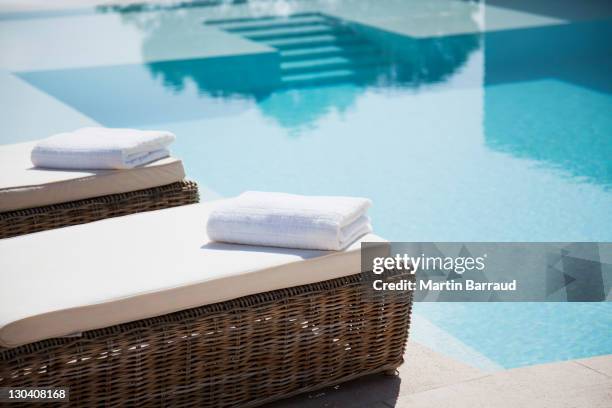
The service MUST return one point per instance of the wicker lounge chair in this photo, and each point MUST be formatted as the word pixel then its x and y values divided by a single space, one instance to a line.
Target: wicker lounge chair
pixel 33 199
pixel 168 318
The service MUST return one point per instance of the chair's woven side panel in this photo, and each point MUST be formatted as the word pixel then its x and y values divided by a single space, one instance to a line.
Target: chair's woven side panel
pixel 19 222
pixel 243 352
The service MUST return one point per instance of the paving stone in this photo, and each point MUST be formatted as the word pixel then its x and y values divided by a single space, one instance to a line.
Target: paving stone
pixel 602 364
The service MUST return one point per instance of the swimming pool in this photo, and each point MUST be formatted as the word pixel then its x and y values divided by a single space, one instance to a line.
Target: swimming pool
pixel 502 135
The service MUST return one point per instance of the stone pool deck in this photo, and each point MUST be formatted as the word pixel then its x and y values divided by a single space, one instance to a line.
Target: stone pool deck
pixel 429 379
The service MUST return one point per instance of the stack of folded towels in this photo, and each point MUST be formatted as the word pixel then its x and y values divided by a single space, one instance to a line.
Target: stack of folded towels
pixel 101 148
pixel 291 221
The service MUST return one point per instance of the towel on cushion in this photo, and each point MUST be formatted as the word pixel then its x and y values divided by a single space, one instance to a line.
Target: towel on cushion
pixel 291 221
pixel 101 148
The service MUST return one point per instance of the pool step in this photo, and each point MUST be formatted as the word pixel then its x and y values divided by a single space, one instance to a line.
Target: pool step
pixel 318 77
pixel 255 20
pixel 327 51
pixel 287 23
pixel 286 33
pixel 331 64
pixel 314 41
pixel 328 77
pixel 314 49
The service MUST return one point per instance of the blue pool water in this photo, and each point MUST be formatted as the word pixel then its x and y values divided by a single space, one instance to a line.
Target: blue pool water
pixel 519 334
pixel 503 136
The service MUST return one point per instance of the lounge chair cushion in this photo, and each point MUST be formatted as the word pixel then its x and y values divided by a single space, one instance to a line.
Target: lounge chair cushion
pixel 64 281
pixel 24 186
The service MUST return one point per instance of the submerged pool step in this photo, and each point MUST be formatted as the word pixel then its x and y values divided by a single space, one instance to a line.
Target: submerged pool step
pixel 284 23
pixel 314 41
pixel 318 77
pixel 314 49
pixel 300 54
pixel 255 20
pixel 328 77
pixel 287 33
pixel 330 64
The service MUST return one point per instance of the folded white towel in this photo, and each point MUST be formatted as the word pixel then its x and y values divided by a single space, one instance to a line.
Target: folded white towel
pixel 291 221
pixel 101 148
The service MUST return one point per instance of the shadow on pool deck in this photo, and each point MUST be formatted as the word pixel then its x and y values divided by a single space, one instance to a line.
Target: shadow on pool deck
pixel 372 391
pixel 429 379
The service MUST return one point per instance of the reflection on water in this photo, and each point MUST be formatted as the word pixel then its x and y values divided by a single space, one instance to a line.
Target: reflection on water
pixel 313 50
pixel 547 90
pixel 524 120
pixel 299 110
pixel 548 96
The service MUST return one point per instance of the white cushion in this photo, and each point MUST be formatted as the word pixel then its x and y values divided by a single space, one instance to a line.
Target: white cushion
pixel 64 281
pixel 24 186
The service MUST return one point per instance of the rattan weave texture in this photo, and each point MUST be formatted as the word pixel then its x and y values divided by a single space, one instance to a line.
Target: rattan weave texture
pixel 19 222
pixel 239 353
